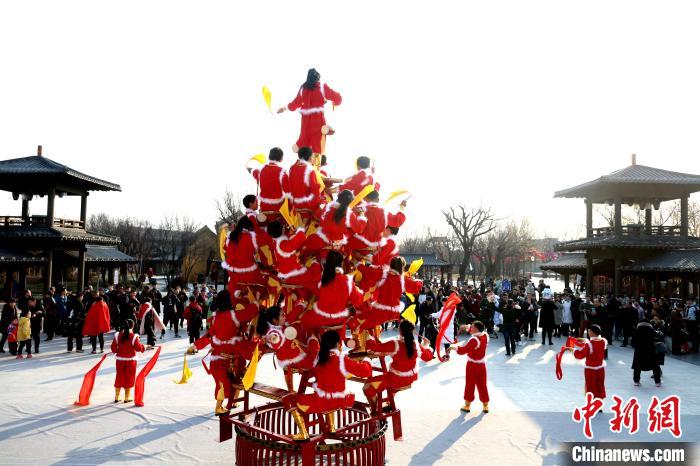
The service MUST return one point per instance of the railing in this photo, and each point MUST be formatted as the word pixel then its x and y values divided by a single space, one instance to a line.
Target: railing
pixel 8 221
pixel 638 230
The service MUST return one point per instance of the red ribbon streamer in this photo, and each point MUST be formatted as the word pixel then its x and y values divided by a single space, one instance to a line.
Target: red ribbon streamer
pixel 571 342
pixel 446 320
pixel 140 385
pixel 88 384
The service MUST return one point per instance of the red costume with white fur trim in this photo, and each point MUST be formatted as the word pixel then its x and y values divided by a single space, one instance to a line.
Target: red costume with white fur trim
pixel 240 261
pixel 377 221
pixel 271 180
pixel 332 234
pixel 387 251
pixel 303 188
pixel 310 104
pixel 290 270
pixel 289 353
pixel 329 388
pixel 331 307
pixel 223 336
pixel 475 349
pixel 386 305
pixel 357 182
pixel 403 370
pixel 125 354
pixel 594 354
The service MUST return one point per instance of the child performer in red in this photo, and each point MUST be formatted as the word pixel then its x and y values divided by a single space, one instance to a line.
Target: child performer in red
pixel 309 101
pixel 271 181
pixel 125 345
pixel 240 252
pixel 594 354
pixel 335 292
pixel 303 187
pixel 403 370
pixel 337 223
pixel 370 239
pixel 290 270
pixel 475 349
pixel 331 370
pixel 363 177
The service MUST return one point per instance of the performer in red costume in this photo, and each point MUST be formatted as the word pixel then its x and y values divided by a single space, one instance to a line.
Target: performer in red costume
pixel 389 247
pixel 335 292
pixel 370 239
pixel 250 203
pixel 303 187
pixel 281 338
pixel 475 349
pixel 310 99
pixel 290 270
pixel 97 323
pixel 390 284
pixel 125 345
pixel 240 251
pixel 594 354
pixel 331 370
pixel 337 222
pixel 403 370
pixel 362 178
pixel 271 182
pixel 229 349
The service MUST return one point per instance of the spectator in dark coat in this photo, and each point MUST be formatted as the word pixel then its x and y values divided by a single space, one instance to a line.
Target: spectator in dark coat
pixel 547 319
pixel 9 313
pixel 628 320
pixel 644 345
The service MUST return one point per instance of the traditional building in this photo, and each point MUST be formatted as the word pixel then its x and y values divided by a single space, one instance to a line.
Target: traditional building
pixel 634 258
pixel 37 251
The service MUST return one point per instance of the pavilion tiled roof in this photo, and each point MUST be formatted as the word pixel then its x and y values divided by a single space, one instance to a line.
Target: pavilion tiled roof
pixel 685 260
pixel 429 259
pixel 632 175
pixel 56 233
pixel 572 261
pixel 38 165
pixel 629 241
pixel 11 256
pixel 103 254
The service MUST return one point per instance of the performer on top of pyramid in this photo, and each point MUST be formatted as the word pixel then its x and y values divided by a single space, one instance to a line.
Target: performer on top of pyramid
pixel 310 99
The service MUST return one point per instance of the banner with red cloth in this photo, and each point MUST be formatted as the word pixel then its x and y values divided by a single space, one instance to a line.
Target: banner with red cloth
pixel 88 384
pixel 572 343
pixel 140 385
pixel 448 312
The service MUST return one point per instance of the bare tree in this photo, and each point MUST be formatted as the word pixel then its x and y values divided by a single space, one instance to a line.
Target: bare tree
pixel 175 235
pixel 229 207
pixel 467 226
pixel 502 251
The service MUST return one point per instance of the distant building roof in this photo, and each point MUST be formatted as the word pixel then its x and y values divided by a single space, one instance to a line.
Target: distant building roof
pixel 37 173
pixel 19 257
pixel 629 241
pixel 56 233
pixel 633 183
pixel 429 259
pixel 95 254
pixel 687 261
pixel 573 261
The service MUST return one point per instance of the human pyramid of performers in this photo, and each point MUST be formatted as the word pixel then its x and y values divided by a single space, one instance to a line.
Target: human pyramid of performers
pixel 313 258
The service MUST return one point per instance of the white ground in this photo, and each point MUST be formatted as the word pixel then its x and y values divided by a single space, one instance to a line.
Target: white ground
pixel 530 411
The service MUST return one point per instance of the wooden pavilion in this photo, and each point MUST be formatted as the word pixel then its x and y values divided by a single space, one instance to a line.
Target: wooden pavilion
pixel 52 245
pixel 635 257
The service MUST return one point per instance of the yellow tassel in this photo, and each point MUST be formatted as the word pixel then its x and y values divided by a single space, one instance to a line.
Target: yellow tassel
pixel 186 373
pixel 361 195
pixel 249 377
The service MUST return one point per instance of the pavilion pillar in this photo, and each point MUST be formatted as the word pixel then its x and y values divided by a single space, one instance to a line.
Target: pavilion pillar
pixel 647 221
pixel 589 274
pixel 618 216
pixel 81 269
pixel 589 218
pixel 50 206
pixel 48 279
pixel 617 284
pixel 684 216
pixel 83 208
pixel 25 209
pixel 566 281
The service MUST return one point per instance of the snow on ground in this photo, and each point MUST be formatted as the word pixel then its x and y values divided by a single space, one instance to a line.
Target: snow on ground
pixel 530 410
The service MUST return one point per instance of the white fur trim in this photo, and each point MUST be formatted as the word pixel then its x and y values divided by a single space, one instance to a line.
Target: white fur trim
pixel 410 373
pixel 271 201
pixel 386 307
pixel 293 273
pixel 122 358
pixel 329 315
pixel 341 363
pixel 595 368
pixel 476 361
pixel 279 250
pixel 287 362
pixel 303 198
pixel 231 341
pixel 328 395
pixel 371 244
pixel 244 269
pixel 309 111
